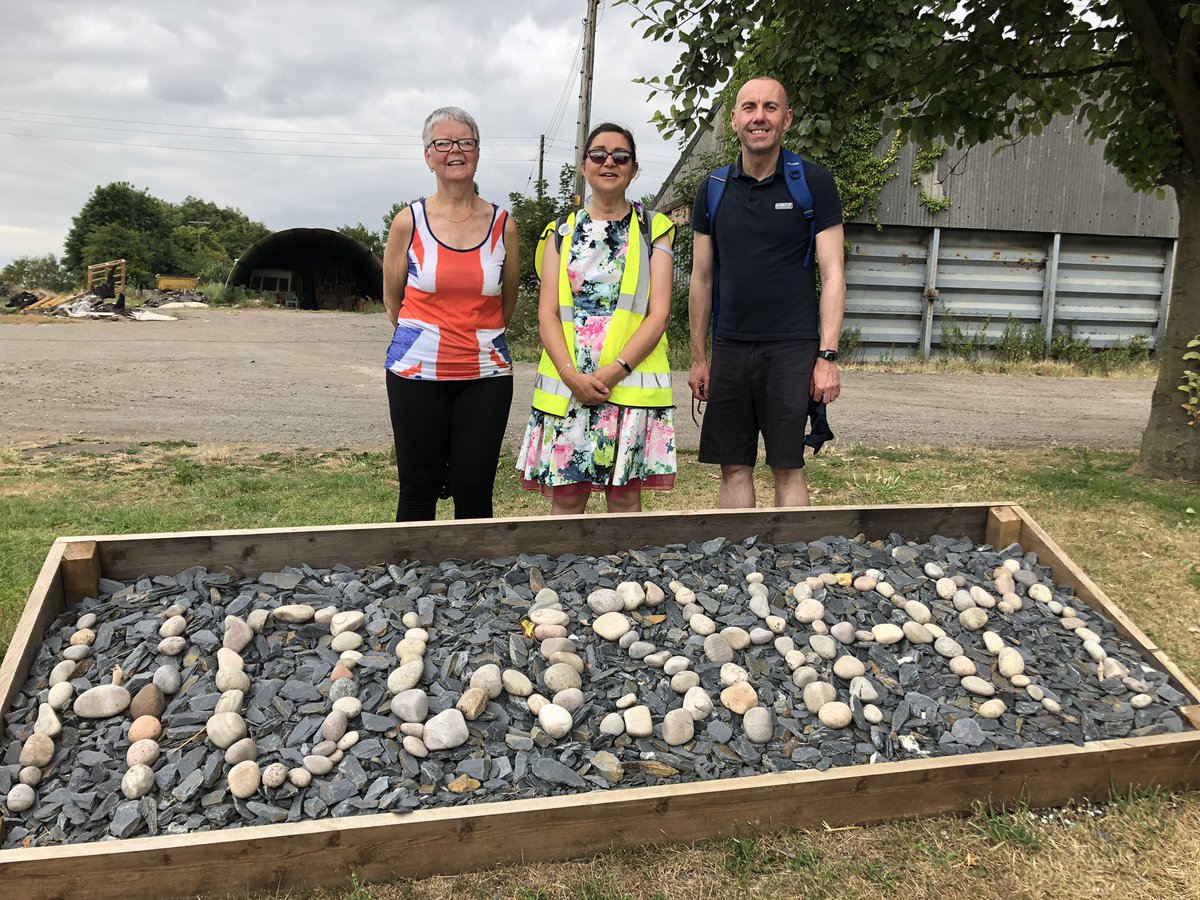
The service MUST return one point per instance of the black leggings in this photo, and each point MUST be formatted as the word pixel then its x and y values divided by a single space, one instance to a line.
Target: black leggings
pixel 448 435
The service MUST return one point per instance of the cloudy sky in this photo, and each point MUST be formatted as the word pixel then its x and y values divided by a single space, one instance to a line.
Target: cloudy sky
pixel 301 114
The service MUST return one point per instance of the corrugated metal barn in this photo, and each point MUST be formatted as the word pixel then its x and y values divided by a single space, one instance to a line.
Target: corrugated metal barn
pixel 1042 229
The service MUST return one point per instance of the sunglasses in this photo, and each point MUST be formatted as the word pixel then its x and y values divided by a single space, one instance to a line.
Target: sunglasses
pixel 619 157
pixel 444 145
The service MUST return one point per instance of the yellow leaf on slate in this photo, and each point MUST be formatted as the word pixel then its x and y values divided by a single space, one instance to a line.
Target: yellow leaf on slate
pixel 527 628
pixel 657 619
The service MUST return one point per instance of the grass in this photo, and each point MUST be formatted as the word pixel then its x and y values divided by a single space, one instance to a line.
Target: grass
pixel 1139 540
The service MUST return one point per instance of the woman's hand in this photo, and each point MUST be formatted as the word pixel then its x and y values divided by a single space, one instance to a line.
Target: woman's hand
pixel 588 389
pixel 611 374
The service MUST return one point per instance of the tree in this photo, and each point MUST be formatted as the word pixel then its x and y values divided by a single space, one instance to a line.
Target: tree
pixel 117 241
pixel 972 71
pixel 38 271
pixel 372 240
pixel 531 215
pixel 119 203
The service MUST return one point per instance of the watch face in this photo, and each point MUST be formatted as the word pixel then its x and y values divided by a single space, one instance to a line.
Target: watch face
pixel 829 355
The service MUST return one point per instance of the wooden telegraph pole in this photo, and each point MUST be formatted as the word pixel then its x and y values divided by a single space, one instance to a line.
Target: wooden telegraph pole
pixel 585 94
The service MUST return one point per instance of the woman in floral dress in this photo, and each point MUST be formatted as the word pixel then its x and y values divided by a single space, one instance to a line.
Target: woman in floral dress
pixel 602 411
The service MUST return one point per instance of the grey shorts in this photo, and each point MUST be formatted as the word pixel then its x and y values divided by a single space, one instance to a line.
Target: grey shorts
pixel 757 387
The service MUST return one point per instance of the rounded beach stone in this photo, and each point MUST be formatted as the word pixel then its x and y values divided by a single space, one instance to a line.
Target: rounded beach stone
pixel 21 797
pixel 916 633
pixel 342 687
pixel 62 672
pixel 47 722
pixel 324 615
pixel 613 724
pixel 842 632
pixel 406 676
pixel 759 724
pixel 488 679
pixel 809 611
pixel 702 624
pixel 918 612
pixel 172 646
pixel 817 694
pixel 60 695
pixel 682 682
pixel 294 613
pixel 549 616
pixel 232 680
pixel 318 765
pixel 947 647
pixel 992 709
pixel 962 666
pixel 244 779
pixel 472 703
pixel 739 697
pixel 137 782
pixel 237 634
pixel 739 638
pixel 257 619
pixel 348 740
pixel 570 699
pixel 142 752
pixel 172 627
pixel 300 777
pixel 346 640
pixel 414 746
pixel 824 646
pixel 1040 593
pixel 229 659
pixel 804 676
pixel 411 705
pixel 678 727
pixel 240 751
pixel 605 600
pixel 545 632
pixel 560 676
pixel 149 701
pixel 835 714
pixel 638 723
pixel 945 588
pixel 84 637
pixel 446 730
pixel 611 626
pixel 972 619
pixel 145 728
pixel 698 703
pixel 887 633
pixel 731 673
pixel 516 683
pixel 37 750
pixel 334 726
pixel 872 713
pixel 30 775
pixel 167 678
pixel 554 720
pixel 848 667
pixel 632 593
pixel 676 664
pixel 776 624
pixel 535 702
pixel 225 729
pixel 717 649
pixel 993 642
pixel 760 606
pixel 410 648
pixel 1009 662
pixel 231 701
pixel 862 689
pixel 1094 650
pixel 348 620
pixel 101 702
pixel 978 686
pixel 802 591
pixel 274 775
pixel 1139 701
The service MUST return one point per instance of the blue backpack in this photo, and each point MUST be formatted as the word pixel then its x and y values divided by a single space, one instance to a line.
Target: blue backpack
pixel 793 170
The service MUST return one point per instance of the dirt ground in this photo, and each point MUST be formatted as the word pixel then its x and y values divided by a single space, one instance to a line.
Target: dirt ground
pixel 288 379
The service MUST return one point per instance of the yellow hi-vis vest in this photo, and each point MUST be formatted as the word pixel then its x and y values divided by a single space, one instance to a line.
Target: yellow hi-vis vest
pixel 649 385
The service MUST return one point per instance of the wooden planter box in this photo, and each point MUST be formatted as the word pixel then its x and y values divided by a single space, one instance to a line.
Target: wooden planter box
pixel 415 845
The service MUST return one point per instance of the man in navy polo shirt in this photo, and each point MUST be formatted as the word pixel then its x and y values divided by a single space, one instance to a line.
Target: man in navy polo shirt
pixel 775 342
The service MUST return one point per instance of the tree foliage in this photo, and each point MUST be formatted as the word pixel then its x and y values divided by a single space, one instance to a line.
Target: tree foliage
pixel 38 272
pixel 196 237
pixel 532 213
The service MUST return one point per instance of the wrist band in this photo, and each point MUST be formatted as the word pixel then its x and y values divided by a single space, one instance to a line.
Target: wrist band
pixel 624 365
pixel 567 365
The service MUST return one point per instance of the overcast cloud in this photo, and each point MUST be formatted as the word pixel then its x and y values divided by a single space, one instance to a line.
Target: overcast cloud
pixel 301 114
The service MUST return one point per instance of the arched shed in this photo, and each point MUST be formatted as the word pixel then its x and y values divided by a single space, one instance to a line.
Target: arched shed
pixel 313 268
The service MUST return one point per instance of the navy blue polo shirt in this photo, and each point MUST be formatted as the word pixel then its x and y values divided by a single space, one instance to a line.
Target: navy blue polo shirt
pixel 760 239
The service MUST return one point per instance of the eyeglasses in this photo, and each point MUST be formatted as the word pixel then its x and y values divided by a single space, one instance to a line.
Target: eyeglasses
pixel 619 157
pixel 444 145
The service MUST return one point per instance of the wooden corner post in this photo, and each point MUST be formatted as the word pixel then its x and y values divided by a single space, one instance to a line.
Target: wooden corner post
pixel 80 570
pixel 1003 526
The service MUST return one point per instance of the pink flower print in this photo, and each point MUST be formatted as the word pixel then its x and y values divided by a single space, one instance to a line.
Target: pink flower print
pixel 561 455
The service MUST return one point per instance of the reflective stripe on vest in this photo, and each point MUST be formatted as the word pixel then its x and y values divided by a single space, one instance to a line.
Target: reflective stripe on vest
pixel 649 385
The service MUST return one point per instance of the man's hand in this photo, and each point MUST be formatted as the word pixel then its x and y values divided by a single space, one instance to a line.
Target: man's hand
pixel 826 381
pixel 698 379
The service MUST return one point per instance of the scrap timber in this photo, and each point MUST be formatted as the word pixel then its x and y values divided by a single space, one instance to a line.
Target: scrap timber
pixel 443 841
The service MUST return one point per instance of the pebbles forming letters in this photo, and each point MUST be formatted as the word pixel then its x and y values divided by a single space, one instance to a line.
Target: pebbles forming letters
pixel 208 700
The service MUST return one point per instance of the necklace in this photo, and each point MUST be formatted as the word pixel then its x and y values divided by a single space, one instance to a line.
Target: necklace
pixel 470 212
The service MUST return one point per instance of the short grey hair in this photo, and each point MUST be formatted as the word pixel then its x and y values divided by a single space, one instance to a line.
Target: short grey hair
pixel 447 114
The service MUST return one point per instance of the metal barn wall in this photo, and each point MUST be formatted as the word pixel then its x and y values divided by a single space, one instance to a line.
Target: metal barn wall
pixel 903 283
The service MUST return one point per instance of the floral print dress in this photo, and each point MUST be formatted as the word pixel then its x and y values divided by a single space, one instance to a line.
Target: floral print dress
pixel 605 447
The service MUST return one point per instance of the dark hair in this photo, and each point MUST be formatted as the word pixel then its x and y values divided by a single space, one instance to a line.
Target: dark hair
pixel 605 127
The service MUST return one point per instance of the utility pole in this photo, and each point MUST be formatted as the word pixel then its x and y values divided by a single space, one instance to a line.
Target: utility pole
pixel 198 224
pixel 541 182
pixel 585 94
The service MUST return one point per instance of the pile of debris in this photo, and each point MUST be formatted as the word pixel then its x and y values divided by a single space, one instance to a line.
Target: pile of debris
pixel 178 298
pixel 91 306
pixel 20 300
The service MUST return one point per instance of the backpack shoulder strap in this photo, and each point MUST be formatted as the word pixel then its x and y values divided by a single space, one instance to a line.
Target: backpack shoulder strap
pixel 714 191
pixel 797 184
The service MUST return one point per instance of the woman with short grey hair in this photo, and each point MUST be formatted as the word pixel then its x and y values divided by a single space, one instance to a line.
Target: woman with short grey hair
pixel 450 275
